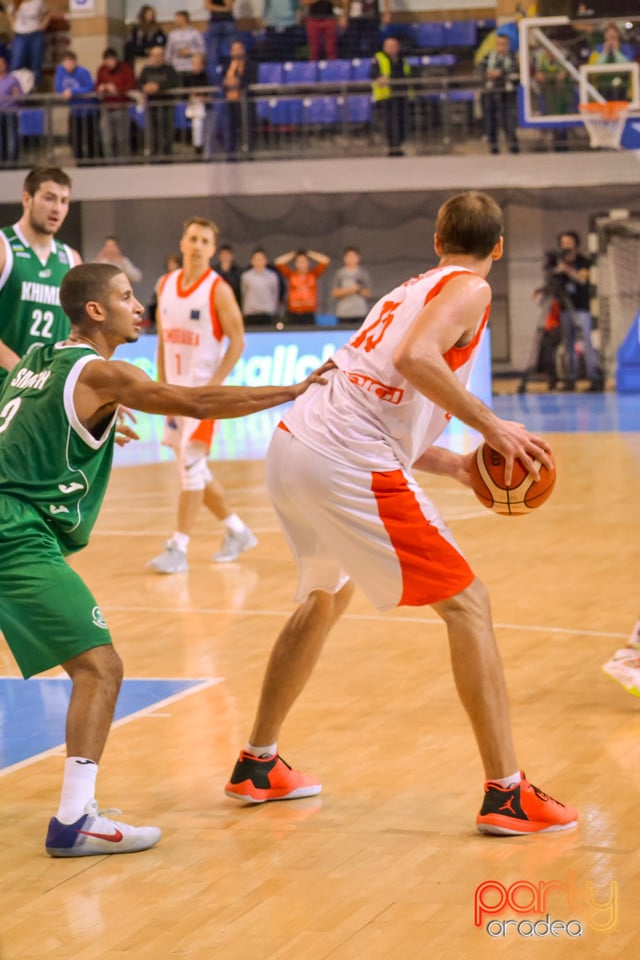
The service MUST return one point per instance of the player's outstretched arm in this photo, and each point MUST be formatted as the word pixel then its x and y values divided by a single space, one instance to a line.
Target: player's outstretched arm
pixel 104 385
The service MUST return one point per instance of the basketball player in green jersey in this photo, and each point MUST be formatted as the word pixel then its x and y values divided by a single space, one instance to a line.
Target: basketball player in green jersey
pixel 58 410
pixel 32 265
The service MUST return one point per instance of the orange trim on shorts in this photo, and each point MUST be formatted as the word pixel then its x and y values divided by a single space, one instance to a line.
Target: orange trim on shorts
pixel 432 569
pixel 204 432
pixel 282 426
pixel 216 326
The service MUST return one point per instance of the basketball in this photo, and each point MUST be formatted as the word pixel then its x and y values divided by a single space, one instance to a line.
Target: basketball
pixel 524 495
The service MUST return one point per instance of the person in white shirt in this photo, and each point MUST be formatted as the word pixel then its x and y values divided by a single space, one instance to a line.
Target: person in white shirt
pixel 182 43
pixel 29 19
pixel 260 289
pixel 340 475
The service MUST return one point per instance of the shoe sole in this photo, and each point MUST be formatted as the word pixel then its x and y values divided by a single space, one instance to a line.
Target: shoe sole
pixel 528 829
pixel 630 688
pixel 297 794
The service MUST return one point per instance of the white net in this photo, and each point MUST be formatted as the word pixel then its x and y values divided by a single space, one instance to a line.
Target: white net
pixel 618 282
pixel 605 122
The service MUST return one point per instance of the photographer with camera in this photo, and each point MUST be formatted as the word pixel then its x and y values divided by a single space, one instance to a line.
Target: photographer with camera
pixel 570 280
pixel 500 98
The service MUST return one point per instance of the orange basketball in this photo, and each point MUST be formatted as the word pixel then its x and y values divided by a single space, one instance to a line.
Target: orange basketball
pixel 522 496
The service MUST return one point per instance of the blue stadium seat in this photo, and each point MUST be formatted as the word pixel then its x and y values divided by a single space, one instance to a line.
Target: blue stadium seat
pixel 270 73
pixel 31 122
pixel 460 33
pixel 360 69
pixel 428 35
pixel 321 111
pixel 300 71
pixel 334 71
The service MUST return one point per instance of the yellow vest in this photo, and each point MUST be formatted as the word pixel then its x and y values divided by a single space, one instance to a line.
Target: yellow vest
pixel 382 90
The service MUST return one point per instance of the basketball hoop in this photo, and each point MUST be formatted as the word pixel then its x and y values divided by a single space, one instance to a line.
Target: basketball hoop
pixel 605 122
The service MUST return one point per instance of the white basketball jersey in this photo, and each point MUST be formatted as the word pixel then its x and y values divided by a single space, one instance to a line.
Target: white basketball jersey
pixel 192 336
pixel 369 415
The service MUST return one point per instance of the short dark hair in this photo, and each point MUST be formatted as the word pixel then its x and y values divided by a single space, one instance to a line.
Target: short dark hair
pixel 183 13
pixel 570 233
pixel 109 52
pixel 469 223
pixel 87 281
pixel 259 250
pixel 70 55
pixel 351 249
pixel 39 175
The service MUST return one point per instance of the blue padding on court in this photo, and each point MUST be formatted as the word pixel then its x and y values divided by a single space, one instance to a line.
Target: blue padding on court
pixel 571 412
pixel 32 712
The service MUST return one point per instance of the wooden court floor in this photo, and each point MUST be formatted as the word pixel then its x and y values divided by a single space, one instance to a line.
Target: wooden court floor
pixel 386 864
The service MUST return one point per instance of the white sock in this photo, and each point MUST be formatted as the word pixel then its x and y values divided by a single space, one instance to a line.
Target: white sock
pixel 78 788
pixel 181 541
pixel 269 750
pixel 234 523
pixel 508 781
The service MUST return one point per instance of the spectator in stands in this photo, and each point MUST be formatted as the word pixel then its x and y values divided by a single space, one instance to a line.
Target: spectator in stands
pixel 146 33
pixel 612 86
pixel 199 106
pixel 220 30
pixel 351 288
pixel 500 97
pixel 10 92
pixel 391 98
pixel 29 19
pixel 280 23
pixel 183 42
pixel 225 264
pixel 302 294
pixel 322 29
pixel 111 252
pixel 114 80
pixel 260 288
pixel 361 20
pixel 172 262
pixel 237 121
pixel 156 80
pixel 75 84
pixel 556 89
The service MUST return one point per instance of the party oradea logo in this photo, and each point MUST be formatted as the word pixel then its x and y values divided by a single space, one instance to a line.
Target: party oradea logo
pixel 546 908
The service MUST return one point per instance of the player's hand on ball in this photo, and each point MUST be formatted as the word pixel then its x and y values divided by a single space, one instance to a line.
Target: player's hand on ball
pixel 514 442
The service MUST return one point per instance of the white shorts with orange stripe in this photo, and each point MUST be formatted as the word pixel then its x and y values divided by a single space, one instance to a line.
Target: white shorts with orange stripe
pixel 378 529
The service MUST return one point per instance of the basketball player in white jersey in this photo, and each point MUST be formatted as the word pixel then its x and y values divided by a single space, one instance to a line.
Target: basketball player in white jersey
pixel 200 339
pixel 339 471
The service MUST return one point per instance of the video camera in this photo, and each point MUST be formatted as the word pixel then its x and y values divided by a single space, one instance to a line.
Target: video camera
pixel 553 258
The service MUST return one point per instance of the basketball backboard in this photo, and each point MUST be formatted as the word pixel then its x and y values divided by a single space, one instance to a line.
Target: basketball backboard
pixel 565 62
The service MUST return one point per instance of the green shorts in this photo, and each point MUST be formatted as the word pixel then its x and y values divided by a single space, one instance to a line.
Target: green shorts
pixel 47 613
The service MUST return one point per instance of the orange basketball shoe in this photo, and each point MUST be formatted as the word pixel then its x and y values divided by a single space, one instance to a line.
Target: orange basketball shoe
pixel 258 779
pixel 522 808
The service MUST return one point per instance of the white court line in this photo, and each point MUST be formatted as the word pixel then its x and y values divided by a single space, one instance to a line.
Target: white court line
pixel 145 711
pixel 222 611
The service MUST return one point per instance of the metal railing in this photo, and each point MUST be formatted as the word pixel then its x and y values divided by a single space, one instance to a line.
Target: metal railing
pixel 422 115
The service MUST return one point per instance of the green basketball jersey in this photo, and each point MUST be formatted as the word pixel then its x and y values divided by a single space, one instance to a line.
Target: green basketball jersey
pixel 48 459
pixel 30 311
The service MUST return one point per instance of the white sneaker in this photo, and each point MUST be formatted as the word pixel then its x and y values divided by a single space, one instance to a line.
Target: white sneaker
pixel 94 835
pixel 171 560
pixel 234 544
pixel 634 639
pixel 624 668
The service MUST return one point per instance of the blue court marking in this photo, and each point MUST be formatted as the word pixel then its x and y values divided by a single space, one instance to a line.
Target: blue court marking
pixel 33 712
pixel 572 412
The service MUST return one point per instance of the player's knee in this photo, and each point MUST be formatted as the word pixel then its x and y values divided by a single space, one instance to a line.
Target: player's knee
pixel 194 472
pixel 470 603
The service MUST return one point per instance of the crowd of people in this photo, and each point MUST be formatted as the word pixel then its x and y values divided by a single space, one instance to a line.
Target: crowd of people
pixel 126 105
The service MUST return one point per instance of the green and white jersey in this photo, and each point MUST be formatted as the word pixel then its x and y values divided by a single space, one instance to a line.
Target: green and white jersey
pixel 48 459
pixel 30 311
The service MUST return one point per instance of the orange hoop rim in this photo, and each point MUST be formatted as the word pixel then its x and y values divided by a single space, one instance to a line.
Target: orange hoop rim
pixel 608 110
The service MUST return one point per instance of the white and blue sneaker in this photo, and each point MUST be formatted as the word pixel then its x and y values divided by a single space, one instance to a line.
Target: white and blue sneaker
pixel 234 544
pixel 94 835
